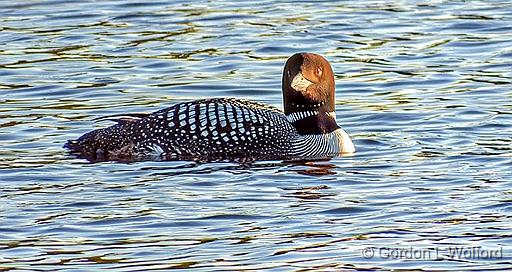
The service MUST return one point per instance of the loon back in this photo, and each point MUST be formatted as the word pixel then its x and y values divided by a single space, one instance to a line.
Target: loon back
pixel 209 129
pixel 232 129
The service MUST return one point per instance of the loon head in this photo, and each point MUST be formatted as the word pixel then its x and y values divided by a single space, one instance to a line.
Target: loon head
pixel 308 93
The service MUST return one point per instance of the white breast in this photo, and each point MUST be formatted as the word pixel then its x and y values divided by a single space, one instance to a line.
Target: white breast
pixel 330 144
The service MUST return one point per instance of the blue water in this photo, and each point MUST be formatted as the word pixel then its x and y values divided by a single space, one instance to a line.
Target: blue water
pixel 424 89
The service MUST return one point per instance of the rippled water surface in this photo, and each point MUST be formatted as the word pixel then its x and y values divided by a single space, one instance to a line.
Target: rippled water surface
pixel 423 87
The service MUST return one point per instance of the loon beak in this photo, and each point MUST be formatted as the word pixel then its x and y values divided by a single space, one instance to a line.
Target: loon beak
pixel 300 83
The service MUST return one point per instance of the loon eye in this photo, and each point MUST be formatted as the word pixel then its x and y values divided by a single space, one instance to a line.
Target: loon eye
pixel 318 71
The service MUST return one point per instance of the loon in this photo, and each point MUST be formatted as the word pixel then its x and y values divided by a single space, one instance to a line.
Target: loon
pixel 229 129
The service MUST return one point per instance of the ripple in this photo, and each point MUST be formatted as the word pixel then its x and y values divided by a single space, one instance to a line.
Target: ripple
pixel 347 211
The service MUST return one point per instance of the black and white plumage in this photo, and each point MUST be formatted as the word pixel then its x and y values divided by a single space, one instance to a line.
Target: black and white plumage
pixel 228 128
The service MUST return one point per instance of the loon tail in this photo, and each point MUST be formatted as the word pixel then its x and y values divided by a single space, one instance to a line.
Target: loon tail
pixel 122 118
pixel 111 143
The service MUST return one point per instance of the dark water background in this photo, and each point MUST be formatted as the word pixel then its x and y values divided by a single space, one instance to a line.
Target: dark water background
pixel 423 87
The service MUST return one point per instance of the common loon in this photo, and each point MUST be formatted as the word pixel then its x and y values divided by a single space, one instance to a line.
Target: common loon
pixel 229 129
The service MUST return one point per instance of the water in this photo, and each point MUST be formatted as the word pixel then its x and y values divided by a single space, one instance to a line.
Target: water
pixel 423 89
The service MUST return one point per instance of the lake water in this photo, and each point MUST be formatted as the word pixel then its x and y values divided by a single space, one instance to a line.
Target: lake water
pixel 423 88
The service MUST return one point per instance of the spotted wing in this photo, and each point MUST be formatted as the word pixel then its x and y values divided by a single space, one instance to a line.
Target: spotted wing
pixel 213 129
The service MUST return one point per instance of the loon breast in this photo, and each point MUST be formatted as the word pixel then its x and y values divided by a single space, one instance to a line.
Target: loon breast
pixel 233 129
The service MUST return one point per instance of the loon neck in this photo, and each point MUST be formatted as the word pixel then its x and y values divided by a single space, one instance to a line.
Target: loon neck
pixel 313 121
